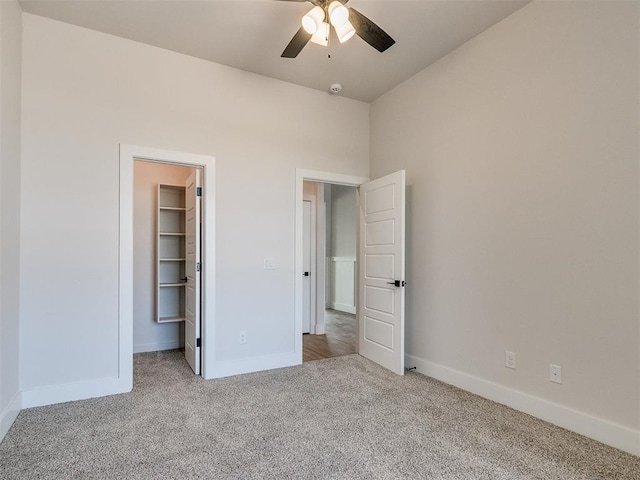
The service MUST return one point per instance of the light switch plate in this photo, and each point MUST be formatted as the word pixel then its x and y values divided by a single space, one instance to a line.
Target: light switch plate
pixel 269 263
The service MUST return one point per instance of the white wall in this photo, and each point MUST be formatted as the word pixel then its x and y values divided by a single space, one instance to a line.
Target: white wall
pixel 149 335
pixel 344 221
pixel 328 219
pixel 521 152
pixel 10 88
pixel 84 93
pixel 342 255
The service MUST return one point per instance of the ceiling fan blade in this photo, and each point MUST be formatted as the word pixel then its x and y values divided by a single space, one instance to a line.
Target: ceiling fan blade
pixel 297 43
pixel 369 31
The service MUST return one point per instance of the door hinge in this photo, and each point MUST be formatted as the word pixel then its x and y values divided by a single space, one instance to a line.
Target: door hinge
pixel 198 191
pixel 198 342
pixel 198 267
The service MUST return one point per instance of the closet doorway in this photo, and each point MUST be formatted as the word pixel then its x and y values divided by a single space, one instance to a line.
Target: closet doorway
pixel 129 155
pixel 166 259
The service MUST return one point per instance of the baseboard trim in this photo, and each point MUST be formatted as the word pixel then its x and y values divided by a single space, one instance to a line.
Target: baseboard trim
pixel 157 347
pixel 9 414
pixel 599 429
pixel 228 368
pixel 343 307
pixel 70 392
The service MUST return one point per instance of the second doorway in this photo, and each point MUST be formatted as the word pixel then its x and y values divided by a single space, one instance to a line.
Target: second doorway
pixel 329 269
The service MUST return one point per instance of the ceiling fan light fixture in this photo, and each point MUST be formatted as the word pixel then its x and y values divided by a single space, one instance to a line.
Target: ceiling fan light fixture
pixel 338 14
pixel 345 31
pixel 311 21
pixel 317 23
pixel 321 37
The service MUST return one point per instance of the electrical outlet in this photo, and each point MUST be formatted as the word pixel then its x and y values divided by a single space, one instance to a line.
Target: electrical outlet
pixel 555 373
pixel 243 336
pixel 510 359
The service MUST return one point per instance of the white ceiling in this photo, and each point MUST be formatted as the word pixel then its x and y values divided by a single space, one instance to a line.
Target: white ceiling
pixel 251 35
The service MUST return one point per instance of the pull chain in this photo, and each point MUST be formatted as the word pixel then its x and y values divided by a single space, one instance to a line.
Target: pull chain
pixel 326 13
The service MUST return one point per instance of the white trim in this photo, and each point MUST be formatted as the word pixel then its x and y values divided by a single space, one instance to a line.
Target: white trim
pixel 69 392
pixel 321 254
pixel 9 414
pixel 312 262
pixel 158 346
pixel 342 307
pixel 312 176
pixel 328 177
pixel 327 283
pixel 599 429
pixel 128 154
pixel 125 270
pixel 227 368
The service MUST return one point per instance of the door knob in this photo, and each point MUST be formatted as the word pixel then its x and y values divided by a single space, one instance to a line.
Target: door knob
pixel 397 283
pixel 306 274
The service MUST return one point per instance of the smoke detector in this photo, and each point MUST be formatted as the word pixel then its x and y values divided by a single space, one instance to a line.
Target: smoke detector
pixel 335 88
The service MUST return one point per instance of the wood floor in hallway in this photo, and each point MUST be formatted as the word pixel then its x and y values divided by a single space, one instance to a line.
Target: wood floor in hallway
pixel 339 339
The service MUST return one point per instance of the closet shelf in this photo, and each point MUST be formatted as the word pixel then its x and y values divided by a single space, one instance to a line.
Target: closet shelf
pixel 174 209
pixel 170 254
pixel 170 319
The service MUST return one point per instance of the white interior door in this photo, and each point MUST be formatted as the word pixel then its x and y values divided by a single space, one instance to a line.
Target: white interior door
pixel 381 273
pixel 193 267
pixel 306 266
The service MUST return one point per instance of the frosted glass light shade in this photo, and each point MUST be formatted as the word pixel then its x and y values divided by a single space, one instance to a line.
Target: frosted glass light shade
pixel 311 21
pixel 345 31
pixel 321 37
pixel 338 14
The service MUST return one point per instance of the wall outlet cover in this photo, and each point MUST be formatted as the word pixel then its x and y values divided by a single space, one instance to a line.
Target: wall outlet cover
pixel 510 359
pixel 555 373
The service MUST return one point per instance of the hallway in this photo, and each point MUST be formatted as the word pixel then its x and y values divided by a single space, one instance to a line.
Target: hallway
pixel 339 340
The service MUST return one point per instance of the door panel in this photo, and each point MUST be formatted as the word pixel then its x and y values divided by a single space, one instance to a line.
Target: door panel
pixel 380 233
pixel 380 333
pixel 379 299
pixel 306 266
pixel 192 297
pixel 380 199
pixel 381 302
pixel 379 266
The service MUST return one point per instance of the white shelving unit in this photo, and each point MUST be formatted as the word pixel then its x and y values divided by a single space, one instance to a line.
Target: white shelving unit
pixel 170 254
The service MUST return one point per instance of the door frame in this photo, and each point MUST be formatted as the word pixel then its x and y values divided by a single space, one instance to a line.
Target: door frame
pixel 313 262
pixel 320 177
pixel 128 154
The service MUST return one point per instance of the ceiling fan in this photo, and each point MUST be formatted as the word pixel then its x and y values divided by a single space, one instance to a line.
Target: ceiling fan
pixel 346 22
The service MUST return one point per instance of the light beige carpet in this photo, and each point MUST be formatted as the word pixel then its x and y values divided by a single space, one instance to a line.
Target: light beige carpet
pixel 343 418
